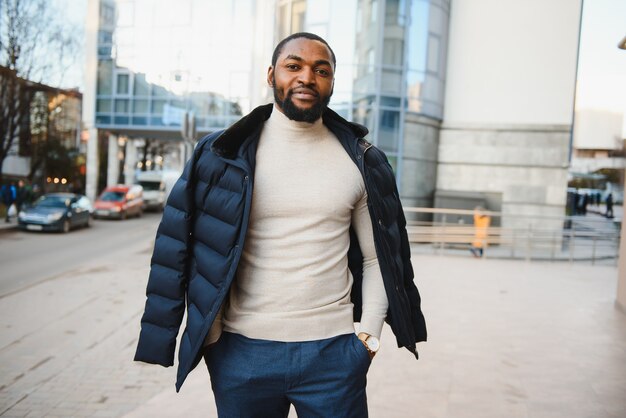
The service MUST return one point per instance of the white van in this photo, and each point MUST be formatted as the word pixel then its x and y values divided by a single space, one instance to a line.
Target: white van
pixel 156 187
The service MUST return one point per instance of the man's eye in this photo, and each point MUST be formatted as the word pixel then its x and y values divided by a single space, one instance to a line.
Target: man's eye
pixel 323 72
pixel 292 66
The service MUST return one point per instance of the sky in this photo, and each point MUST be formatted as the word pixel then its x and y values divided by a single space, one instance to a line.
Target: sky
pixel 74 11
pixel 602 66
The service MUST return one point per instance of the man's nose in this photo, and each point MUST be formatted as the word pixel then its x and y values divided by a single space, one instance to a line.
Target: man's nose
pixel 307 76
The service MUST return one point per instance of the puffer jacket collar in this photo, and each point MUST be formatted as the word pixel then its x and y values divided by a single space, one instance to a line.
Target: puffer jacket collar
pixel 227 144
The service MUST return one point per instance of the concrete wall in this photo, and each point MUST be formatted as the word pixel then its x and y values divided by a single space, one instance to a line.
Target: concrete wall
pixel 419 170
pixel 526 165
pixel 512 61
pixel 509 104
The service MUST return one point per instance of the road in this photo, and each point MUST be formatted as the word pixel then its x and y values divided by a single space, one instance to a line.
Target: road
pixel 29 258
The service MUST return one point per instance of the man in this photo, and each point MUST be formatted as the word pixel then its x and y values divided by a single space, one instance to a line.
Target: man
pixel 284 230
pixel 481 225
pixel 8 193
pixel 609 206
pixel 22 195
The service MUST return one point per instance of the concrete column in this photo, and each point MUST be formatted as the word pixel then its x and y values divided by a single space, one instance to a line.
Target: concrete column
pixel 91 188
pixel 182 154
pixel 130 162
pixel 113 168
pixel 620 301
pixel 89 96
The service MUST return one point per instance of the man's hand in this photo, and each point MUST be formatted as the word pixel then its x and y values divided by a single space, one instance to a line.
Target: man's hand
pixel 371 343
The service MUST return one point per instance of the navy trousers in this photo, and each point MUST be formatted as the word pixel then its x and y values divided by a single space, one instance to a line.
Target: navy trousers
pixel 261 378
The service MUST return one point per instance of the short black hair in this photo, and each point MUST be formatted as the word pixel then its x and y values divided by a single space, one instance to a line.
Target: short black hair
pixel 307 35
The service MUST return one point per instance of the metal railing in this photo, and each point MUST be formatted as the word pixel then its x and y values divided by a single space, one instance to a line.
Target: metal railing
pixel 590 238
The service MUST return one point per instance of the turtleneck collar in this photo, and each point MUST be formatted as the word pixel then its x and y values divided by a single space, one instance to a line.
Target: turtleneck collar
pixel 227 143
pixel 289 129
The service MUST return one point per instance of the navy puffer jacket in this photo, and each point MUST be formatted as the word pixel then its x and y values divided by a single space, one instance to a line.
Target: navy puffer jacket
pixel 199 241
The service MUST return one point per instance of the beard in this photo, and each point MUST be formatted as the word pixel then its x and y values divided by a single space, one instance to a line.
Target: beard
pixel 297 114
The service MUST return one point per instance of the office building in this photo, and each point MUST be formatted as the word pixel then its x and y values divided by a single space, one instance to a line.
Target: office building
pixel 471 100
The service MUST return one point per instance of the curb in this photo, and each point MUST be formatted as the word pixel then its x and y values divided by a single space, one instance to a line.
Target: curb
pixel 8 228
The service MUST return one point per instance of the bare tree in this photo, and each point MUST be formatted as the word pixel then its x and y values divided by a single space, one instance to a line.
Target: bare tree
pixel 36 46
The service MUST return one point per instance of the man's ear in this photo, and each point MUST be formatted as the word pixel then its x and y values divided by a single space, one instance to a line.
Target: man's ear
pixel 270 76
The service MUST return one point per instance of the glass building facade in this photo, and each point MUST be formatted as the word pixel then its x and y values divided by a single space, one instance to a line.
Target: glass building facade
pixel 390 76
pixel 158 59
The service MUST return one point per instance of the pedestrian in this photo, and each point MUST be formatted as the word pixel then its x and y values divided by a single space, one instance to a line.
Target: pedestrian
pixel 21 195
pixel 481 225
pixel 572 198
pixel 274 318
pixel 9 194
pixel 609 205
pixel 581 204
pixel 576 203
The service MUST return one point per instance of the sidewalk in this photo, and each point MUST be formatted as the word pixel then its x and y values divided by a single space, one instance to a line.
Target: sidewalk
pixel 8 226
pixel 507 339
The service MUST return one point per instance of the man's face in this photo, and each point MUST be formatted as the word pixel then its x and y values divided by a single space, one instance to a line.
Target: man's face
pixel 302 79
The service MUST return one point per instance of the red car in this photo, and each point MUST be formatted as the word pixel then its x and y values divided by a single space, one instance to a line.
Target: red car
pixel 119 202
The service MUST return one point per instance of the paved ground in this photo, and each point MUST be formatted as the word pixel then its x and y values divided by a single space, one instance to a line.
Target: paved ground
pixel 507 339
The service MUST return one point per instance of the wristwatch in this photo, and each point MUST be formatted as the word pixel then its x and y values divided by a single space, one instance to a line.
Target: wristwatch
pixel 371 343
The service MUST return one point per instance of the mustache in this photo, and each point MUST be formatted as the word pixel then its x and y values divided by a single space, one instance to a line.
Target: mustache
pixel 302 89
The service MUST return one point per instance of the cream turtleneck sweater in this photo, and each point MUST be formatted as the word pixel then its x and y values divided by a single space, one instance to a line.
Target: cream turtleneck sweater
pixel 293 281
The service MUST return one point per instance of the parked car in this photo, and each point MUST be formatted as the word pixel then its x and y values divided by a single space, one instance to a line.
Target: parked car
pixel 153 189
pixel 119 202
pixel 56 212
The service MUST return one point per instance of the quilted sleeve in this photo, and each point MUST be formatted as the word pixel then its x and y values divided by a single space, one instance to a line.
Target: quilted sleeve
pixel 165 303
pixel 419 324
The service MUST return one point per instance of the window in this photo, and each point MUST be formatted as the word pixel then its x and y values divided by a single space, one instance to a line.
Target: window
pixel 140 85
pixel 371 60
pixel 103 105
pixel 107 15
pixel 122 84
pixel 433 54
pixel 298 10
pixel 389 130
pixel 105 37
pixel 121 106
pixel 284 21
pixel 140 106
pixel 158 106
pixel 373 11
pixel 105 76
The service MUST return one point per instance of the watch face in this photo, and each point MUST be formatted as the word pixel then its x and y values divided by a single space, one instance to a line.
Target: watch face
pixel 373 343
